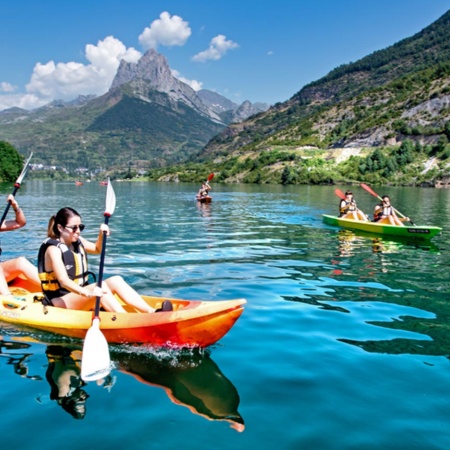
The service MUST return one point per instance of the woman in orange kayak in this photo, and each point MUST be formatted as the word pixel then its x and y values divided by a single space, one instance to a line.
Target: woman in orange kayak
pixel 13 268
pixel 63 271
pixel 349 210
pixel 385 213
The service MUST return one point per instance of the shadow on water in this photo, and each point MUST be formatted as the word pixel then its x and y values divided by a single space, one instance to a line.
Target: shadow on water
pixel 190 378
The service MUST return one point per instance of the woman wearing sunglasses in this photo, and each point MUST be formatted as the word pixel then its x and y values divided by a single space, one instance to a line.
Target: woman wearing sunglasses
pixel 13 268
pixel 63 269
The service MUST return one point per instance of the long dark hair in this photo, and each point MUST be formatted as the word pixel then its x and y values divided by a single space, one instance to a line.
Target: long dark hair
pixel 60 218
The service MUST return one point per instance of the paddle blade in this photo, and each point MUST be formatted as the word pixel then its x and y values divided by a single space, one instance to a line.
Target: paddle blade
pixel 367 188
pixel 95 362
pixel 339 193
pixel 211 176
pixel 110 200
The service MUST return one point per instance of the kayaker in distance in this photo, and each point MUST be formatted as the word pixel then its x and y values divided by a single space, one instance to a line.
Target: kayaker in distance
pixel 204 190
pixel 349 210
pixel 63 270
pixel 13 268
pixel 385 213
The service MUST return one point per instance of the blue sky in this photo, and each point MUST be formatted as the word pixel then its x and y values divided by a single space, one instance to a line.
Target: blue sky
pixel 262 51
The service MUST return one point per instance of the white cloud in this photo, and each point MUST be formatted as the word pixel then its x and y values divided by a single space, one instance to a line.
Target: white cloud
pixel 167 30
pixel 7 87
pixel 194 84
pixel 67 80
pixel 217 48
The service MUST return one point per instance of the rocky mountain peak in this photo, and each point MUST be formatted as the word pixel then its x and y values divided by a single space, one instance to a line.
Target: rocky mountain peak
pixel 151 67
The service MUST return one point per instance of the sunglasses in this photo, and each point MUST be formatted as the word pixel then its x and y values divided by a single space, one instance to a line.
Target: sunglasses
pixel 76 227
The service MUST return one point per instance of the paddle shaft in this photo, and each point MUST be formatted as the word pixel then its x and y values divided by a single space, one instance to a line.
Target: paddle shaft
pixel 8 205
pixel 16 188
pixel 101 267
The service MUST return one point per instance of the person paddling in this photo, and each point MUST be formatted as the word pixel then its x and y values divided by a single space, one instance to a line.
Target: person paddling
pixel 385 213
pixel 63 269
pixel 204 190
pixel 349 210
pixel 20 266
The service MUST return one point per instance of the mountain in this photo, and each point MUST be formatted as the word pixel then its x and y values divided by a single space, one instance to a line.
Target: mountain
pixel 391 98
pixel 148 118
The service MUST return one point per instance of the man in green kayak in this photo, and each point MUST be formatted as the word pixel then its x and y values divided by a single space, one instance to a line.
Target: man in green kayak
pixel 385 213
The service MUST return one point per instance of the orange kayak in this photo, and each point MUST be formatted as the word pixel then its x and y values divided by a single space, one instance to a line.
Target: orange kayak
pixel 192 323
pixel 206 199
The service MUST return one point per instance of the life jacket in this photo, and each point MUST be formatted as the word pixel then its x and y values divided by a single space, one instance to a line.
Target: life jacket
pixel 381 211
pixel 345 208
pixel 75 270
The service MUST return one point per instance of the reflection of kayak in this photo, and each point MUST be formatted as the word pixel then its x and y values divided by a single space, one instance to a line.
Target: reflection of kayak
pixel 189 378
pixel 190 324
pixel 415 232
pixel 195 381
pixel 207 199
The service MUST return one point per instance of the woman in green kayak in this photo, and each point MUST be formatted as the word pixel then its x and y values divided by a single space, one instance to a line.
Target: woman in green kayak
pixel 349 210
pixel 385 213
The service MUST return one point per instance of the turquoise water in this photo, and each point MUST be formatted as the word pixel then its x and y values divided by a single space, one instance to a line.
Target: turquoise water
pixel 344 341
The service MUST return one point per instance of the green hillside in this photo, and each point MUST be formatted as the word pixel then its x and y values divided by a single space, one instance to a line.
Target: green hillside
pixel 353 124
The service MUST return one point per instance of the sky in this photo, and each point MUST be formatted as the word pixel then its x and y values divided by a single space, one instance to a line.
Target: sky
pixel 256 50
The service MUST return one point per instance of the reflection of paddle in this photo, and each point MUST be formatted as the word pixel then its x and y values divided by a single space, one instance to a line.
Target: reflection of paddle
pixel 370 191
pixel 16 188
pixel 95 362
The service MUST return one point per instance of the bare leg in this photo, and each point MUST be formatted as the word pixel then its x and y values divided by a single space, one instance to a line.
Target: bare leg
pixel 118 286
pixel 4 289
pixel 79 302
pixel 21 266
pixel 362 216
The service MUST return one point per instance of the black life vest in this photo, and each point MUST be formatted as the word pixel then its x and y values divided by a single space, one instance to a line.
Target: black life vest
pixel 76 271
pixel 349 206
pixel 381 210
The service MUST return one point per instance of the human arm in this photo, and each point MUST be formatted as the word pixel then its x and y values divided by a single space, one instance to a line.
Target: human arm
pixel 54 263
pixel 343 207
pixel 96 247
pixel 20 219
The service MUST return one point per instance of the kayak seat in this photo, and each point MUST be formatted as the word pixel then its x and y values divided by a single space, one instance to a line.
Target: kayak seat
pixel 166 306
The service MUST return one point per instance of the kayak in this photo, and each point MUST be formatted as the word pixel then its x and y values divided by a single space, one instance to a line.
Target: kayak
pixel 206 199
pixel 416 232
pixel 192 323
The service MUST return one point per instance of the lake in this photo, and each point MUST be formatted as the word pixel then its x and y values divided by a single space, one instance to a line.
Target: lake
pixel 344 342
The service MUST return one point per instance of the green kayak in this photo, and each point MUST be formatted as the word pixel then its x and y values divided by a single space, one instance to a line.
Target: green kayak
pixel 416 232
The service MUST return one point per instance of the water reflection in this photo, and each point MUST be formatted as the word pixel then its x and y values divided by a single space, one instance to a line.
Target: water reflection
pixel 195 381
pixel 192 379
pixel 350 241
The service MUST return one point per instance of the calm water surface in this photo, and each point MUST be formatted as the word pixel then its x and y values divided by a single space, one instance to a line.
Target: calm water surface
pixel 344 342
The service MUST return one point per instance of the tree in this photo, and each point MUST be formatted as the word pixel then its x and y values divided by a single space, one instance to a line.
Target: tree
pixel 11 162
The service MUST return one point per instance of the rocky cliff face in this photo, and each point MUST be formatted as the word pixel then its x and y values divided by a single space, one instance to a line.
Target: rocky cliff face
pixel 152 71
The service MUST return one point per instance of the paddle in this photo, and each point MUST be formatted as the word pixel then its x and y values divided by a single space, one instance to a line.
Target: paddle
pixel 210 177
pixel 16 187
pixel 95 362
pixel 339 193
pixel 370 191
